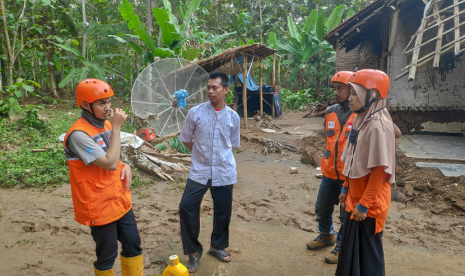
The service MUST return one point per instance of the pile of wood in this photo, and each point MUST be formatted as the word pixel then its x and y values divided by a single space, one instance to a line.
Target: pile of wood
pixel 263 121
pixel 320 109
pixel 166 164
pixel 275 146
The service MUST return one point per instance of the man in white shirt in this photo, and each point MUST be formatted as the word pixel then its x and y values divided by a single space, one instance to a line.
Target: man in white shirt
pixel 211 130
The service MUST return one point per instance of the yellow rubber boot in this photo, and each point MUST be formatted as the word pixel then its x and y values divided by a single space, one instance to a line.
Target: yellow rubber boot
pixel 108 272
pixel 133 266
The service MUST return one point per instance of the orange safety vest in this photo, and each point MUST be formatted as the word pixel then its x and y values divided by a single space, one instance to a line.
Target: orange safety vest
pixel 336 137
pixel 99 196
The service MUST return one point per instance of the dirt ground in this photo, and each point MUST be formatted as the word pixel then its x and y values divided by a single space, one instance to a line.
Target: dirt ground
pixel 273 219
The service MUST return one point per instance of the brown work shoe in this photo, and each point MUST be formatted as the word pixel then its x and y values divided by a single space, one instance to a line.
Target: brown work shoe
pixel 331 257
pixel 321 241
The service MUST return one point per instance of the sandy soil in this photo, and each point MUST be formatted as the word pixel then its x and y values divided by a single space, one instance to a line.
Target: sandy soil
pixel 273 219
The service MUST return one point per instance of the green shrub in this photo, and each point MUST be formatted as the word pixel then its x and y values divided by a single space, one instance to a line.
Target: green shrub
pixel 299 100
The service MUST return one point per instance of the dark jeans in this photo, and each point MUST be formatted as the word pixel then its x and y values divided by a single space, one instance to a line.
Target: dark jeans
pixel 189 214
pixel 328 196
pixel 106 238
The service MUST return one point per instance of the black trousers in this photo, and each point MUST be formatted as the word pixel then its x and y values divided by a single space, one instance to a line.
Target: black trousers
pixel 189 213
pixel 106 238
pixel 361 251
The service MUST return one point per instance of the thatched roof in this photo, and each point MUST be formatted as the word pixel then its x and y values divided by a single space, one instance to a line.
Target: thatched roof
pixel 253 51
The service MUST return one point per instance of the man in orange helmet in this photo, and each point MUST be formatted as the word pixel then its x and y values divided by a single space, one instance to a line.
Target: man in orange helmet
pixel 100 181
pixel 338 124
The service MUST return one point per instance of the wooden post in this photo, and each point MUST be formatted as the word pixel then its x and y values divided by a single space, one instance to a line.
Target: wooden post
pixel 260 77
pixel 244 88
pixel 274 86
pixel 279 71
pixel 274 72
pixel 235 94
pixel 392 38
pixel 457 28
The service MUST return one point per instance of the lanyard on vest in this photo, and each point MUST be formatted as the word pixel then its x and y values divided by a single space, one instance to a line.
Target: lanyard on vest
pixel 353 140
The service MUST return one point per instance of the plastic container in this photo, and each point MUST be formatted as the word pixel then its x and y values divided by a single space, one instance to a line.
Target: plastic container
pixel 294 170
pixel 175 268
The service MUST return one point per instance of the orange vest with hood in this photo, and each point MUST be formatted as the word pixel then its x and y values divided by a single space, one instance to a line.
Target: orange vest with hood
pixel 99 196
pixel 338 124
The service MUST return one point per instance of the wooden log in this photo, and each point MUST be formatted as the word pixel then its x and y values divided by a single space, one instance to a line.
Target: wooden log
pixel 168 158
pixel 168 165
pixel 164 138
pixel 244 89
pixel 142 162
pixel 39 150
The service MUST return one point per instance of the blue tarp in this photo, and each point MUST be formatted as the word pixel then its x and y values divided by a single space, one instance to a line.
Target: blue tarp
pixel 251 85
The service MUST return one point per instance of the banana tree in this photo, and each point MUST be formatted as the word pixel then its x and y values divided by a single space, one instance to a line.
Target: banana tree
pixel 307 45
pixel 89 68
pixel 173 36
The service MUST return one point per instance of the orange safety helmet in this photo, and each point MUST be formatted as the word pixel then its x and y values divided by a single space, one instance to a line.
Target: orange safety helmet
pixel 90 90
pixel 372 79
pixel 342 76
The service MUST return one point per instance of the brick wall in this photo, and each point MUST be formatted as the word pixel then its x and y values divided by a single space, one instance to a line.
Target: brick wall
pixel 361 57
pixel 346 61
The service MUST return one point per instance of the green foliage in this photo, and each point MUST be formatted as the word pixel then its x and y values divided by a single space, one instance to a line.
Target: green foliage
pixel 32 119
pixel 88 68
pixel 299 100
pixel 9 105
pixel 22 167
pixel 311 53
pixel 174 143
pixel 173 37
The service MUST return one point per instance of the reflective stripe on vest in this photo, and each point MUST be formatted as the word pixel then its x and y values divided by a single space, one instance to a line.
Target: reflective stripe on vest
pixel 99 196
pixel 336 137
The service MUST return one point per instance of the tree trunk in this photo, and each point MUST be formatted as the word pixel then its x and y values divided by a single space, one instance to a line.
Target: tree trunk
pixel 149 18
pixel 51 70
pixel 1 78
pixel 84 22
pixel 261 24
pixel 317 86
pixel 10 50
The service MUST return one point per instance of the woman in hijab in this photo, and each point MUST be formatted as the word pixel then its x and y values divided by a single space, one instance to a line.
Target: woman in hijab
pixel 369 167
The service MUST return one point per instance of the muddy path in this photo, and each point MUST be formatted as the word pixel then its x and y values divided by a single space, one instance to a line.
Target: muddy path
pixel 273 219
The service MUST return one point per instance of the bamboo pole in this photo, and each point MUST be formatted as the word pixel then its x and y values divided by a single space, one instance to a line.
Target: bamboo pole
pixel 456 3
pixel 457 28
pixel 260 77
pixel 429 59
pixel 416 53
pixel 442 47
pixel 244 89
pixel 437 56
pixel 443 21
pixel 432 39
